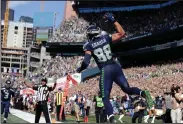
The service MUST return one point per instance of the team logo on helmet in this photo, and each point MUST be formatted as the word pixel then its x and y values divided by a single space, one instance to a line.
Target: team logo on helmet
pixel 92 29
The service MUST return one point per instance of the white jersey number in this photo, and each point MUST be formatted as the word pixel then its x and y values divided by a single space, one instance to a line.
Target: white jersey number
pixel 6 94
pixel 103 54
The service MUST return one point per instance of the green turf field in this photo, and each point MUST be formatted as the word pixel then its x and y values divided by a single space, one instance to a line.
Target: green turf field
pixel 126 119
pixel 70 119
pixel 13 119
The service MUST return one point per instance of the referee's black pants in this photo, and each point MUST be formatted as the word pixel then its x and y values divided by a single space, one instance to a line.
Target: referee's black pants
pixel 167 116
pixel 58 113
pixel 42 107
pixel 99 114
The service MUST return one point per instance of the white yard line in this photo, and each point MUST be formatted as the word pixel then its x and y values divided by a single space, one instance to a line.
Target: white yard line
pixel 29 117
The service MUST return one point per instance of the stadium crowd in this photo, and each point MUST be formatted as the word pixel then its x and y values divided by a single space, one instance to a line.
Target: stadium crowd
pixel 58 67
pixel 136 22
pixel 141 22
pixel 71 30
pixel 145 77
pixel 156 78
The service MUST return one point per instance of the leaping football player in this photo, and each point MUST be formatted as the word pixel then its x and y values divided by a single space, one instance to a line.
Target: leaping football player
pixel 7 93
pixel 99 47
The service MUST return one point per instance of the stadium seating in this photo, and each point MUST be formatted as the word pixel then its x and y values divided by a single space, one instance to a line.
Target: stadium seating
pixel 135 22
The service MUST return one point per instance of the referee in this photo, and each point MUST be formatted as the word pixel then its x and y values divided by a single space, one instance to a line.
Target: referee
pixel 42 98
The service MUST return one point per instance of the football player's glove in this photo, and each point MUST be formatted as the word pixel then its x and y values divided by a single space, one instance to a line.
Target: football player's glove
pixel 109 17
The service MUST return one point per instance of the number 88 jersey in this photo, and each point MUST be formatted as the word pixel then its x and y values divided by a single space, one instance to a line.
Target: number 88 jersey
pixel 100 47
pixel 6 94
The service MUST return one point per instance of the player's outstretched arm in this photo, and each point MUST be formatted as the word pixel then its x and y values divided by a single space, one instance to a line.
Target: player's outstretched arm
pixel 120 31
pixel 85 62
pixel 54 86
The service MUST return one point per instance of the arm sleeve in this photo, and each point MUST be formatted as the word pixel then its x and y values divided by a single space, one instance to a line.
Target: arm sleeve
pixel 86 61
pixel 86 47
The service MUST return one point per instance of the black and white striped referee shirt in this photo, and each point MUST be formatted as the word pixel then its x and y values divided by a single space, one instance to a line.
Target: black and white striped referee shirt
pixel 42 92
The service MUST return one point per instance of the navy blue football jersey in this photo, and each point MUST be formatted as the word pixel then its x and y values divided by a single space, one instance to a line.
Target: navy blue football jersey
pixel 100 47
pixel 6 94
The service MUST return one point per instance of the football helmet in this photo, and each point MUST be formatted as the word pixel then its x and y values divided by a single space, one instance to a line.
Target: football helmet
pixel 8 83
pixel 92 31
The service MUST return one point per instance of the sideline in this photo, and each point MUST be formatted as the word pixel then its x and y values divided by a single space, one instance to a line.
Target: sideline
pixel 29 117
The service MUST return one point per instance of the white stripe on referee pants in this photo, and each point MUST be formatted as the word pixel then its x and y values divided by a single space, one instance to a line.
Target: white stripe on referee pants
pixel 49 112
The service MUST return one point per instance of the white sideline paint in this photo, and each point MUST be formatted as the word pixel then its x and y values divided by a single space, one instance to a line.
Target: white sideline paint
pixel 29 117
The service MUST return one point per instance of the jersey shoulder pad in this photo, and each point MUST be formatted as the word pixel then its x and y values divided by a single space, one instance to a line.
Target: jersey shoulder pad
pixel 86 46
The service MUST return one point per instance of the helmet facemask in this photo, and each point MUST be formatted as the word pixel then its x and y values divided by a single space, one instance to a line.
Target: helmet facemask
pixel 92 31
